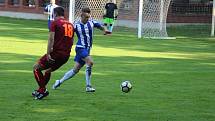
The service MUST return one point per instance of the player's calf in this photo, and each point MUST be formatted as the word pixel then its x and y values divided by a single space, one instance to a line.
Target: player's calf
pixel 56 84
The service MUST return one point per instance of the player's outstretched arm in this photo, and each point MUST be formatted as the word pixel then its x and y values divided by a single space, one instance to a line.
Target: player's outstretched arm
pixel 102 28
pixel 99 26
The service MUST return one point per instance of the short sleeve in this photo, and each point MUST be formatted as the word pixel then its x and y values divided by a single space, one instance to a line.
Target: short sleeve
pixel 75 26
pixel 53 26
pixel 96 24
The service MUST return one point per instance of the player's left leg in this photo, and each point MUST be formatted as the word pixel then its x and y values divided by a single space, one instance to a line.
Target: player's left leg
pixel 37 70
pixel 111 25
pixel 46 78
pixel 89 65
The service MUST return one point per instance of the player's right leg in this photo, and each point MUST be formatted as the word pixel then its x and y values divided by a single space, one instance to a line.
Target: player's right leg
pixel 37 70
pixel 83 57
pixel 41 65
pixel 41 92
pixel 68 75
pixel 71 73
pixel 40 95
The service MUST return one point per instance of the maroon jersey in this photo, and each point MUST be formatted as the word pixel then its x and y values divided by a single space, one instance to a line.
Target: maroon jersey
pixel 63 39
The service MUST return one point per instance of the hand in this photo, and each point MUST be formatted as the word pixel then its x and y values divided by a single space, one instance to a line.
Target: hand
pixel 115 18
pixel 50 59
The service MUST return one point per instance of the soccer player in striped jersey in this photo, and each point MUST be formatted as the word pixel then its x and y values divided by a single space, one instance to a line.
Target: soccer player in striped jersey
pixel 58 52
pixel 49 10
pixel 84 31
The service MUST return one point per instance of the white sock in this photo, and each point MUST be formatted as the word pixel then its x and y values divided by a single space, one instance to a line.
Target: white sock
pixel 111 28
pixel 68 75
pixel 108 27
pixel 88 74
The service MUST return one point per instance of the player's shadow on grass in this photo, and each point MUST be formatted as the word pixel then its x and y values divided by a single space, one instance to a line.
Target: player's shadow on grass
pixel 16 70
pixel 19 66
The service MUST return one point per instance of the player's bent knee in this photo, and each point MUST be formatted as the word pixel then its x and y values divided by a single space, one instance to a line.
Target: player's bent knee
pixel 76 71
pixel 90 63
pixel 36 66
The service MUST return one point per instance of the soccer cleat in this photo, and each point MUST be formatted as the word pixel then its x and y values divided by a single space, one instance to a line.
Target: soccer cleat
pixel 56 84
pixel 34 93
pixel 90 89
pixel 41 95
pixel 107 33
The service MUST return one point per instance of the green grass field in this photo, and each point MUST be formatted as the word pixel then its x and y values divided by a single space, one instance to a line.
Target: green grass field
pixel 173 80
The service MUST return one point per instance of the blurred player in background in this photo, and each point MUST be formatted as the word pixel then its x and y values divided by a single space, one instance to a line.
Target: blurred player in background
pixel 84 30
pixel 49 10
pixel 58 52
pixel 110 14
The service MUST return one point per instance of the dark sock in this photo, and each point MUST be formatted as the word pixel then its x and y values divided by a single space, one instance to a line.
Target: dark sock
pixel 38 75
pixel 47 77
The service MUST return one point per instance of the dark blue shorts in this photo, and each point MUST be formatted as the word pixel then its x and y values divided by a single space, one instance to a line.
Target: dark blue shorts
pixel 81 53
pixel 49 24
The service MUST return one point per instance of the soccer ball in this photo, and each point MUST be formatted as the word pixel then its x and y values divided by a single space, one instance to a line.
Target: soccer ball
pixel 126 86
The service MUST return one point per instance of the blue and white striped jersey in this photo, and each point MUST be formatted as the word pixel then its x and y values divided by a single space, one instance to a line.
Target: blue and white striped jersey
pixel 84 33
pixel 50 9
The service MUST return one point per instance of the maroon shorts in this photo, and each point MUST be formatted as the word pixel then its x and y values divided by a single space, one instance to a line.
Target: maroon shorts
pixel 59 61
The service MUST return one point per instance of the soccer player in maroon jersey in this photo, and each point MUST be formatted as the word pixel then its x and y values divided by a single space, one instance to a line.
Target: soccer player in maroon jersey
pixel 58 52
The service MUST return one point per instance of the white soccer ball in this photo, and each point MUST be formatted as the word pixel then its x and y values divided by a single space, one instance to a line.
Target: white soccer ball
pixel 126 86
